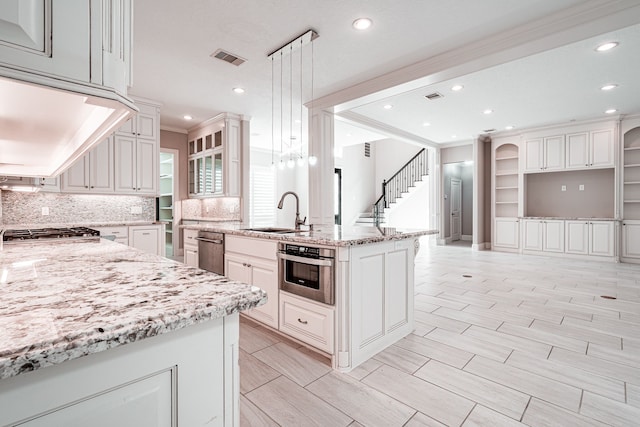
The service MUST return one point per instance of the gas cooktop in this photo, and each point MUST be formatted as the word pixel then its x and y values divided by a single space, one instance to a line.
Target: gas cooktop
pixel 49 233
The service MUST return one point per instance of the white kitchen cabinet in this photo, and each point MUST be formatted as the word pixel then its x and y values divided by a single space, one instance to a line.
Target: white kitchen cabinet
pixel 631 239
pixel 544 154
pixel 590 238
pixel 147 238
pixel 145 124
pixel 120 233
pixel 215 157
pixel 158 381
pixel 92 173
pixel 506 233
pixel 137 163
pixel 50 185
pixel 190 245
pixel 307 320
pixel 590 149
pixel 71 40
pixel 543 235
pixel 254 261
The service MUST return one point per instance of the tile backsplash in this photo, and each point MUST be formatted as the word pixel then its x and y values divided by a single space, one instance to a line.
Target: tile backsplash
pixel 26 208
pixel 227 208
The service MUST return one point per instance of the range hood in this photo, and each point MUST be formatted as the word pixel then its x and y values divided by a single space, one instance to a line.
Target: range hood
pixel 45 128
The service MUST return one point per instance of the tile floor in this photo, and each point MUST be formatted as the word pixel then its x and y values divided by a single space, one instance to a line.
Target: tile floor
pixel 524 340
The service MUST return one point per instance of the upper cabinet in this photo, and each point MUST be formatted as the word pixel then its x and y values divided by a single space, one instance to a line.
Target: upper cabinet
pixel 590 149
pixel 93 173
pixel 544 154
pixel 587 148
pixel 215 162
pixel 49 38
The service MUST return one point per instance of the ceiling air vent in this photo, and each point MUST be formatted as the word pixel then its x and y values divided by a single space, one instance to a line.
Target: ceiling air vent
pixel 488 130
pixel 228 57
pixel 434 95
pixel 367 149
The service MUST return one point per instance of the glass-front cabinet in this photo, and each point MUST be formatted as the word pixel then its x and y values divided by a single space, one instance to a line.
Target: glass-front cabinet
pixel 214 156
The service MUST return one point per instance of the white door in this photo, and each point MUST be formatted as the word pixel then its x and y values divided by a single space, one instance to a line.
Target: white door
pixel 456 208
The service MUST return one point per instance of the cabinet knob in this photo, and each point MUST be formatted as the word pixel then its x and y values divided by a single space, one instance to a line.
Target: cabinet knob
pixel 304 322
pixel 86 186
pixel 587 164
pixel 93 186
pixel 138 188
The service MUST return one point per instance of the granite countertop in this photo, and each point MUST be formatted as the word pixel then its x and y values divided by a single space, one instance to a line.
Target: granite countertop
pixel 329 235
pixel 78 224
pixel 61 301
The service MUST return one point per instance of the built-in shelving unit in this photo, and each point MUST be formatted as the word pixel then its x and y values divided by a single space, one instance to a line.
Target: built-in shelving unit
pixel 506 181
pixel 165 201
pixel 631 190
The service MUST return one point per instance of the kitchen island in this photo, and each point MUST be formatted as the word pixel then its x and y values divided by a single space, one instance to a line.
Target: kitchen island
pixel 373 285
pixel 98 333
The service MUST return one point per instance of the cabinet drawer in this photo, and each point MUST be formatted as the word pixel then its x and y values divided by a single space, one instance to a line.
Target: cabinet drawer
pixel 261 248
pixel 306 321
pixel 120 233
pixel 190 237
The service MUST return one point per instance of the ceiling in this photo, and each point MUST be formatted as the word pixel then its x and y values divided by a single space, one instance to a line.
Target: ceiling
pixel 532 63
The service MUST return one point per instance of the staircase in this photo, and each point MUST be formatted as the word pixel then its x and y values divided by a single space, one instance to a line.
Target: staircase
pixel 394 188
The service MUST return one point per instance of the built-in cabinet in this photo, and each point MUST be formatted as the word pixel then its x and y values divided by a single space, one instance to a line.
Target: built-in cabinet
pixel 590 238
pixel 506 195
pixel 543 235
pixel 590 149
pixel 544 154
pixel 119 234
pixel 254 261
pixel 307 320
pixel 93 173
pixel 506 233
pixel 215 162
pixel 631 196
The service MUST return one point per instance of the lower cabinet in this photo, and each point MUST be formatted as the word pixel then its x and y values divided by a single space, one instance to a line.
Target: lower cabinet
pixel 590 238
pixel 307 321
pixel 117 234
pixel 543 235
pixel 191 248
pixel 506 233
pixel 254 261
pixel 147 238
pixel 631 239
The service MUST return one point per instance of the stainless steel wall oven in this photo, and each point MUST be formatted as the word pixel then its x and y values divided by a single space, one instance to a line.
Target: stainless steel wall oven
pixel 307 272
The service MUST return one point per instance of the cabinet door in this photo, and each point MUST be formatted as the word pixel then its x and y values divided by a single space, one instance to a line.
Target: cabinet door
pixel 506 233
pixel 553 236
pixel 146 125
pixel 235 268
pixel 578 150
pixel 554 152
pixel 533 155
pixel 577 237
pixel 602 148
pixel 232 159
pixel 601 238
pixel 101 179
pixel 191 256
pixel 125 159
pixel 146 239
pixel 116 44
pixel 128 128
pixel 631 240
pixel 76 178
pixel 532 235
pixel 147 166
pixel 264 274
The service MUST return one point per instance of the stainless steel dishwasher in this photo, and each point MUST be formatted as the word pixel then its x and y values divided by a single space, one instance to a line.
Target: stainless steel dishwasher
pixel 211 251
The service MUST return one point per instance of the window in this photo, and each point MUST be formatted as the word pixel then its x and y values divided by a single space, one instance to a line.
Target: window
pixel 263 191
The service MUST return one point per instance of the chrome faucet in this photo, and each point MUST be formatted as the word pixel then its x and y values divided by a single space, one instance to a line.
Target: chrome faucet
pixel 2 230
pixel 298 221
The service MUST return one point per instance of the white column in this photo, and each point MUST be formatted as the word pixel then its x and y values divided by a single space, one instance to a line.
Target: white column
pixel 245 164
pixel 321 174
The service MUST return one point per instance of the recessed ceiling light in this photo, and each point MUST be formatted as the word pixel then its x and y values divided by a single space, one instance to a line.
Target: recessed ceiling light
pixel 388 107
pixel 457 88
pixel 454 136
pixel 606 46
pixel 611 111
pixel 509 127
pixel 238 90
pixel 187 117
pixel 425 124
pixel 488 111
pixel 608 87
pixel 362 23
pixel 348 134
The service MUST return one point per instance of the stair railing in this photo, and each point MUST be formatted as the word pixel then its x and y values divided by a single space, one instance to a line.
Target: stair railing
pixel 400 182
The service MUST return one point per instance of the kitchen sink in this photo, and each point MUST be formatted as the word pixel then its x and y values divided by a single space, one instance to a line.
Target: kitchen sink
pixel 271 230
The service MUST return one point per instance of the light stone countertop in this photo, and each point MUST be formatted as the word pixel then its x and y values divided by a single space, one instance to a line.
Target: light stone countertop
pixel 566 218
pixel 80 224
pixel 61 301
pixel 329 235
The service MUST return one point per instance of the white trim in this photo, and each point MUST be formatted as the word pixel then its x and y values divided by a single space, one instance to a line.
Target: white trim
pixel 177 211
pixel 174 129
pixel 466 237
pixel 383 128
pixel 480 247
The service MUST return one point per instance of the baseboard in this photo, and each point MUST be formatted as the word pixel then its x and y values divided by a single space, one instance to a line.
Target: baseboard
pixel 442 242
pixel 466 237
pixel 479 247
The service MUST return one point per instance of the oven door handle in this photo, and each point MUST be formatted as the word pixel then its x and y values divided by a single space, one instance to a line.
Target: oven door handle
pixel 216 241
pixel 305 260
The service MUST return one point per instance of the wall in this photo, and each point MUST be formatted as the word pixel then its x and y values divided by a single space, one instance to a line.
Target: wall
pixel 466 174
pixel 178 141
pixel 412 211
pixel 292 179
pixel 459 153
pixel 26 208
pixel 219 208
pixel 358 181
pixel 545 198
pixel 390 156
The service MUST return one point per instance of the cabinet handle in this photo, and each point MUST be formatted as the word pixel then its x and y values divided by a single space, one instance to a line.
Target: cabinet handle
pixel 304 322
pixel 248 265
pixel 86 186
pixel 93 186
pixel 146 234
pixel 138 189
